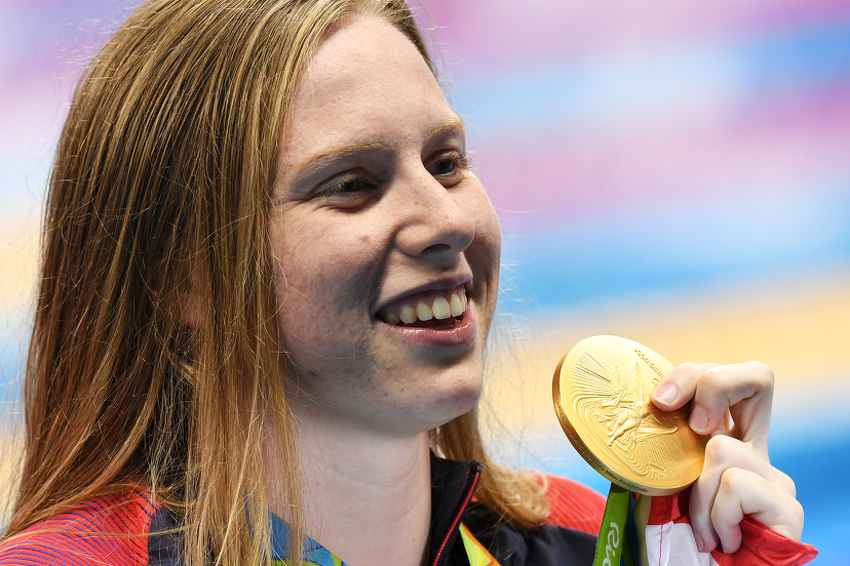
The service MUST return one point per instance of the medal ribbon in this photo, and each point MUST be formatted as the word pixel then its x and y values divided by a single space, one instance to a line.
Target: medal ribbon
pixel 611 543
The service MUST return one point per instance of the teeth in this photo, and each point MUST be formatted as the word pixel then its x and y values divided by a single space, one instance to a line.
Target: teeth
pixel 407 314
pixel 457 306
pixel 424 312
pixel 442 309
pixel 392 318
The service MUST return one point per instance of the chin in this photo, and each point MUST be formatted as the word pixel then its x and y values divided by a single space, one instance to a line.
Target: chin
pixel 459 402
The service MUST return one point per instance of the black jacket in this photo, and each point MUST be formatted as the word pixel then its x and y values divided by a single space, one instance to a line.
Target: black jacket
pixel 452 485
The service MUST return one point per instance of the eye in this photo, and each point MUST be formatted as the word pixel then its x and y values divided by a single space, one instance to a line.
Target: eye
pixel 449 167
pixel 347 190
pixel 346 185
pixel 445 166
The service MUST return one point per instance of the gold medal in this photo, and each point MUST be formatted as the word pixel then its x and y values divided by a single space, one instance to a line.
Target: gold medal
pixel 601 391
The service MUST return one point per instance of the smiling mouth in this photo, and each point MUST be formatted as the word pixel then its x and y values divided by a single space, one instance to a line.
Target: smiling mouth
pixel 436 310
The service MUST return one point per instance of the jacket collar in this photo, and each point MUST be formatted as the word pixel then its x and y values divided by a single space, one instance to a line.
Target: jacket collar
pixel 452 486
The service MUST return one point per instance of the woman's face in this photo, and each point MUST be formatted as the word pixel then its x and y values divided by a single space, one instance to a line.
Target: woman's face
pixel 377 225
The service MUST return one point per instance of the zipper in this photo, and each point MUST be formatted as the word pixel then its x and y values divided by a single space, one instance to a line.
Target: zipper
pixel 472 483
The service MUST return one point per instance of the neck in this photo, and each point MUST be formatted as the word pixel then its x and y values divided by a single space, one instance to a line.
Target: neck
pixel 367 495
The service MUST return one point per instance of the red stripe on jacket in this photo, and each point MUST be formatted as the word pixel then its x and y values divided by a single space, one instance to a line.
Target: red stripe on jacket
pixel 103 530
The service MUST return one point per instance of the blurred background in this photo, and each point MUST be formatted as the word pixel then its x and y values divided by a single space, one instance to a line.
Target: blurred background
pixel 675 172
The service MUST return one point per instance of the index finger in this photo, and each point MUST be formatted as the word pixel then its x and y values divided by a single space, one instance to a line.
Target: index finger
pixel 746 390
pixel 678 386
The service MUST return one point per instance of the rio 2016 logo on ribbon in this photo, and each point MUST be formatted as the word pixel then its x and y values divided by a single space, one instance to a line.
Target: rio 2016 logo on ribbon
pixel 613 544
pixel 610 543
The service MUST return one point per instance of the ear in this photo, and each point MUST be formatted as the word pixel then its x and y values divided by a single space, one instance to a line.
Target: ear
pixel 187 306
pixel 189 309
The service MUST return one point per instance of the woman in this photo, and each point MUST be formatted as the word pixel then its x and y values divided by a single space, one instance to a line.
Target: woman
pixel 268 279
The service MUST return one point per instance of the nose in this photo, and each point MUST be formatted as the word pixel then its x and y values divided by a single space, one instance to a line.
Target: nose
pixel 437 222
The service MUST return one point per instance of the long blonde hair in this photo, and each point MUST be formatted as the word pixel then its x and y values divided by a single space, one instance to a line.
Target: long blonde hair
pixel 161 189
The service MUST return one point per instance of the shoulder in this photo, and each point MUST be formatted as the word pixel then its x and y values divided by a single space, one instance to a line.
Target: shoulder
pixel 103 531
pixel 572 505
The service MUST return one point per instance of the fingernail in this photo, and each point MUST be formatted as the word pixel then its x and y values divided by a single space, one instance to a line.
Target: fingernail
pixel 666 394
pixel 698 540
pixel 699 419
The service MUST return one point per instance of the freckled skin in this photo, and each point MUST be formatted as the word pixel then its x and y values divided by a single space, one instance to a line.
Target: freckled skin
pixel 335 266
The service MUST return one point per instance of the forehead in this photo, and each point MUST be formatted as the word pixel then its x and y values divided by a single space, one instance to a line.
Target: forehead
pixel 366 81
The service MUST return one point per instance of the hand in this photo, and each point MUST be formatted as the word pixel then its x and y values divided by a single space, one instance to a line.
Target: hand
pixel 737 478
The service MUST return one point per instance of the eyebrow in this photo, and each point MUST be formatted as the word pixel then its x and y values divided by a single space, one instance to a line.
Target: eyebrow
pixel 317 160
pixel 452 125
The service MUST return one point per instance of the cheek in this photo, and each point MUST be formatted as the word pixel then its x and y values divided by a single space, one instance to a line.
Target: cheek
pixel 488 234
pixel 309 295
pixel 321 287
pixel 494 234
pixel 485 255
pixel 317 334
